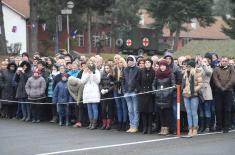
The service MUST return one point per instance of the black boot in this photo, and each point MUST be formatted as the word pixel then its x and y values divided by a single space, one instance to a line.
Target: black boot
pixel 144 130
pixel 207 124
pixel 150 130
pixel 124 128
pixel 119 127
pixel 201 126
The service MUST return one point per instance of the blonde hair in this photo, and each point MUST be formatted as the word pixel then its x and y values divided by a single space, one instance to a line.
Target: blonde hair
pixel 123 62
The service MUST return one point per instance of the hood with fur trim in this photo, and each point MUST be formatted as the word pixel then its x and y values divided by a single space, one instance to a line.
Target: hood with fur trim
pixel 75 88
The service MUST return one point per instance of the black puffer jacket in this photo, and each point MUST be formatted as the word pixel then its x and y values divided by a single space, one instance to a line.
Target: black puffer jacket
pixel 163 97
pixel 21 80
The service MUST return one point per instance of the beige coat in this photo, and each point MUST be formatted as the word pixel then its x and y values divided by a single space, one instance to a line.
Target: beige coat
pixel 75 88
pixel 206 77
pixel 196 73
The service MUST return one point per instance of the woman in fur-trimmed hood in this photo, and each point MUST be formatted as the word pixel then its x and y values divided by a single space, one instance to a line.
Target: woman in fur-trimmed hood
pixel 191 84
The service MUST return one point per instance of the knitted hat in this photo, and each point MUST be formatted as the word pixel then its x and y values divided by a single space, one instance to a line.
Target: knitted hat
pixel 163 62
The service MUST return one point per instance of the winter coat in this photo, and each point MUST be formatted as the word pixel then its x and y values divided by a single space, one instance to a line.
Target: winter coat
pixel 145 80
pixel 7 83
pixel 61 93
pixel 35 88
pixel 107 82
pixel 91 92
pixel 118 80
pixel 205 90
pixel 75 87
pixel 163 98
pixel 192 83
pixel 223 78
pixel 129 80
pixel 21 80
pixel 56 80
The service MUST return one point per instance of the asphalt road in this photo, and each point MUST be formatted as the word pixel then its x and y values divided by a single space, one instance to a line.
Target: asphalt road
pixel 21 138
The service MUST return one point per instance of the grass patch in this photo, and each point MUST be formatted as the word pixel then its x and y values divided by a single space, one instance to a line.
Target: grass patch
pixel 221 47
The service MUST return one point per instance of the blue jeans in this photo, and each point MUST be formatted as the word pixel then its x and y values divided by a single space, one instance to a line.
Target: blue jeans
pixel 191 105
pixel 132 104
pixel 92 109
pixel 63 110
pixel 121 107
pixel 19 111
pixel 25 107
pixel 205 108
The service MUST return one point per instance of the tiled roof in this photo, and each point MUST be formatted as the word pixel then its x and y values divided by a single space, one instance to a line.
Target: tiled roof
pixel 19 6
pixel 195 31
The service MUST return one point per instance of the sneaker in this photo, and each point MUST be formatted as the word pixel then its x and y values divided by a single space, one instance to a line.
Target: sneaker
pixel 129 130
pixel 23 119
pixel 134 130
pixel 27 120
pixel 33 121
pixel 38 121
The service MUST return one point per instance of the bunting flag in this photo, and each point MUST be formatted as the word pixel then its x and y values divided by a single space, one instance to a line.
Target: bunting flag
pixel 14 28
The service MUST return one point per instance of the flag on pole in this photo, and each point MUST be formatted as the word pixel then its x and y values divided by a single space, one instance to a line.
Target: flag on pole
pixel 74 33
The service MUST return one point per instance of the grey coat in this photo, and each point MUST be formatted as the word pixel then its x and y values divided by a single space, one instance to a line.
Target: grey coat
pixel 206 77
pixel 35 88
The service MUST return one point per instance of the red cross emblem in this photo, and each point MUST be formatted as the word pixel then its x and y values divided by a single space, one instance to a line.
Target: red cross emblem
pixel 128 42
pixel 146 41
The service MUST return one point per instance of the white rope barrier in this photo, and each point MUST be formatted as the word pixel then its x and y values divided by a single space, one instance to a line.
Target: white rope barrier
pixel 111 98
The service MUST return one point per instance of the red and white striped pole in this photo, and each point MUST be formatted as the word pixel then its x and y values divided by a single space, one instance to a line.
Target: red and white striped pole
pixel 178 110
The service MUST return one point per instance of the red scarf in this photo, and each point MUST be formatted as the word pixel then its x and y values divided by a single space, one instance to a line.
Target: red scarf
pixel 163 74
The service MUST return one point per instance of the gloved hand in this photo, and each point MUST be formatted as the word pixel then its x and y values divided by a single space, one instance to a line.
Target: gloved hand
pixel 106 91
pixel 103 91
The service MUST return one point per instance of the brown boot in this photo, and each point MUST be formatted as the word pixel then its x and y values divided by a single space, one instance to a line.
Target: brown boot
pixel 190 132
pixel 194 133
pixel 165 131
pixel 162 131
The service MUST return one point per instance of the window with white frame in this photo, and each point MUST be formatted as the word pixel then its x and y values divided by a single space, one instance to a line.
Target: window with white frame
pixel 108 41
pixel 80 38
pixel 95 39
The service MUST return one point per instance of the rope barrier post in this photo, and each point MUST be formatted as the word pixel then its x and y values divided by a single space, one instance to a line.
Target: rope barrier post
pixel 178 110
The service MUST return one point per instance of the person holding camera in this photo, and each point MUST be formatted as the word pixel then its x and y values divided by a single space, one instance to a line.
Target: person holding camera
pixel 91 94
pixel 23 73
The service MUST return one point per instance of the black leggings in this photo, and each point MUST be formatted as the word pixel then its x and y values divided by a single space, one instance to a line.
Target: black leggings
pixel 107 108
pixel 147 119
pixel 165 117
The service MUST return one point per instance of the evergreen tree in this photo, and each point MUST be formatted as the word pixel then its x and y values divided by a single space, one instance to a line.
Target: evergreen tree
pixel 175 13
pixel 230 28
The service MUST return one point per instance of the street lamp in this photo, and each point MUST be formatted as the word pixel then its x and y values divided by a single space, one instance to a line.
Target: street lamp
pixel 67 11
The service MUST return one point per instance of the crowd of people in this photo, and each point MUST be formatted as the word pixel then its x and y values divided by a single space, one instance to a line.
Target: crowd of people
pixel 129 94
